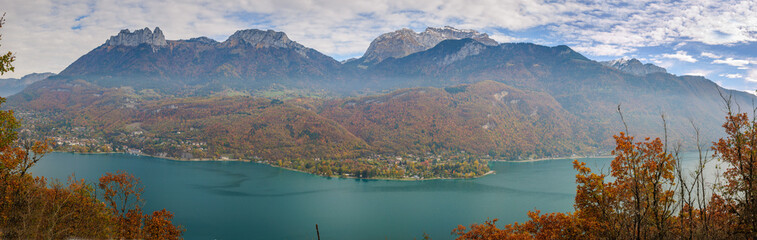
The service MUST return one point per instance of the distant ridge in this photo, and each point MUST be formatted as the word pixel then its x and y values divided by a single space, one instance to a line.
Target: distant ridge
pixel 10 86
pixel 634 66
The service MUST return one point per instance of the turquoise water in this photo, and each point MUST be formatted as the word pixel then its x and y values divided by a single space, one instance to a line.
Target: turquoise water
pixel 239 200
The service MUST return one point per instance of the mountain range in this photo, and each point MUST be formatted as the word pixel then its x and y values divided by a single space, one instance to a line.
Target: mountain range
pixel 440 90
pixel 10 86
pixel 248 59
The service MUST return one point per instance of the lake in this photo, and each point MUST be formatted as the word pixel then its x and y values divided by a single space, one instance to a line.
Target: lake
pixel 241 200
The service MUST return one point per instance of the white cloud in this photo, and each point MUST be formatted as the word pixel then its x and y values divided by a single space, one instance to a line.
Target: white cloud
pixel 710 55
pixel 662 63
pixel 732 75
pixel 699 72
pixel 732 62
pixel 653 23
pixel 681 56
pixel 501 38
pixel 751 76
pixel 603 50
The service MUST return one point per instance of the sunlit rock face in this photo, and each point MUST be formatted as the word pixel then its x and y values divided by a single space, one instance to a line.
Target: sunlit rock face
pixel 264 38
pixel 404 42
pixel 128 38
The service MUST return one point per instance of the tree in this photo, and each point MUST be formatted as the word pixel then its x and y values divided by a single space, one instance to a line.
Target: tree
pixel 540 226
pixel 643 186
pixel 739 150
pixel 159 226
pixel 8 123
pixel 122 192
pixel 8 58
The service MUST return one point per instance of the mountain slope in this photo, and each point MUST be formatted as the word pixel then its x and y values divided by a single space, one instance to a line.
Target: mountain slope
pixel 583 87
pixel 485 118
pixel 207 127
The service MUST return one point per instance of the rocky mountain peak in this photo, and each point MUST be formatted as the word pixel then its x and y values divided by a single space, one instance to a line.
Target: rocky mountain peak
pixel 404 32
pixel 633 66
pixel 128 38
pixel 267 38
pixel 434 34
pixel 204 40
pixel 405 41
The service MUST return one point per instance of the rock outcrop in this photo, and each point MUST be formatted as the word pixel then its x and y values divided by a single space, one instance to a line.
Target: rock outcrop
pixel 263 38
pixel 469 49
pixel 267 38
pixel 203 40
pixel 142 36
pixel 404 42
pixel 433 36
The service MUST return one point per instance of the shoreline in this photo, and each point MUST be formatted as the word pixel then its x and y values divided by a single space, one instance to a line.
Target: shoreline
pixel 382 178
pixel 167 158
pixel 551 158
pixel 268 164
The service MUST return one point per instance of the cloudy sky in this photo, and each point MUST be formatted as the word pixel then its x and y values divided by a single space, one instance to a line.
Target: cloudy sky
pixel 715 39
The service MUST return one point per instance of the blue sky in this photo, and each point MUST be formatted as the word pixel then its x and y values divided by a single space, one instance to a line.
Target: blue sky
pixel 715 39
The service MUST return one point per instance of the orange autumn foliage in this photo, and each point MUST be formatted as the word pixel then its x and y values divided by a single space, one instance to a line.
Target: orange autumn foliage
pixel 159 226
pixel 640 199
pixel 540 226
pixel 123 195
pixel 739 150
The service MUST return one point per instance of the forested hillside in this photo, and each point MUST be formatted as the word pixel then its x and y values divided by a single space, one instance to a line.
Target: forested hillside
pixel 485 118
